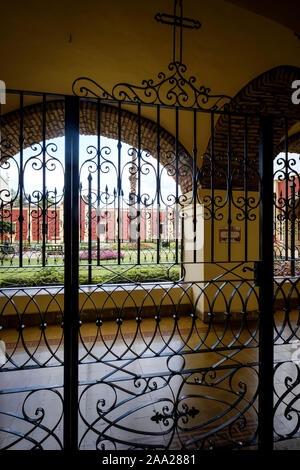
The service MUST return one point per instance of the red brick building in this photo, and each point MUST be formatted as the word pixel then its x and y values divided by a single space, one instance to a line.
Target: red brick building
pixel 103 223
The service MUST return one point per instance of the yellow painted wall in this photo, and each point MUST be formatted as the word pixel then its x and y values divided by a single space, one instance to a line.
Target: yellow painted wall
pixel 112 299
pixel 207 298
pixel 45 46
pixel 54 43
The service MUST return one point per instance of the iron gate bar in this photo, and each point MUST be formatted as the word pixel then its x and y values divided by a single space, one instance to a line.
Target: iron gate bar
pixel 292 220
pixel 119 178
pixel 195 198
pixel 89 228
pixel 266 351
pixel 229 186
pixel 246 185
pixel 13 91
pixel 71 304
pixel 44 239
pixel 176 179
pixel 222 111
pixel 212 183
pixel 21 178
pixel 251 111
pixel 286 151
pixel 158 183
pixel 138 213
pixel 98 177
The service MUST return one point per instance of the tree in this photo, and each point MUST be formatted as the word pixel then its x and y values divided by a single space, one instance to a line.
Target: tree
pixel 5 227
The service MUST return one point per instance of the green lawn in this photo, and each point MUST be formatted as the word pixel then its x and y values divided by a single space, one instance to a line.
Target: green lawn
pixel 32 274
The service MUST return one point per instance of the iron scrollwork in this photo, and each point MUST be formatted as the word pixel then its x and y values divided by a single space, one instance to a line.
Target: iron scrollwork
pixel 170 89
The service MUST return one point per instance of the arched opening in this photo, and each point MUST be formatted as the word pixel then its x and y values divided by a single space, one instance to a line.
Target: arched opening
pixel 130 196
pixel 268 94
pixel 90 124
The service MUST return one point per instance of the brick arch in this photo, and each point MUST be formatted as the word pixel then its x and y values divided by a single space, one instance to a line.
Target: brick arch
pixel 33 119
pixel 269 93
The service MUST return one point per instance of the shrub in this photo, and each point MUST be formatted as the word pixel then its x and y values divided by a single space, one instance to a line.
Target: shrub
pixel 133 246
pixel 282 268
pixel 104 254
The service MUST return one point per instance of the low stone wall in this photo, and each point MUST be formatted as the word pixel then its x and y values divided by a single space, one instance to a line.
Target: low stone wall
pixel 33 306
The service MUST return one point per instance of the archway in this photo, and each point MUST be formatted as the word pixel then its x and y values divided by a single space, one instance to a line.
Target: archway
pixel 90 123
pixel 268 94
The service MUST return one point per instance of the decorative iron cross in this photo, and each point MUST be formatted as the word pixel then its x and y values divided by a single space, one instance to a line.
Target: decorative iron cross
pixel 177 21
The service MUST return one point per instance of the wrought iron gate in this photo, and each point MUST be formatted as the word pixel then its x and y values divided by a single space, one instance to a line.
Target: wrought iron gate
pixel 177 364
pixel 165 337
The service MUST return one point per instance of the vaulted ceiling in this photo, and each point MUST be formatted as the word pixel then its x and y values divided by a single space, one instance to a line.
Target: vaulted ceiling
pixel 285 12
pixel 46 48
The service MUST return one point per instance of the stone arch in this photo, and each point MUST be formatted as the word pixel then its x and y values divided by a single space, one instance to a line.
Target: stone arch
pixel 33 132
pixel 270 94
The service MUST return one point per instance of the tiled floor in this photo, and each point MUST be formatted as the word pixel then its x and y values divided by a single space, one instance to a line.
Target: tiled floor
pixel 128 390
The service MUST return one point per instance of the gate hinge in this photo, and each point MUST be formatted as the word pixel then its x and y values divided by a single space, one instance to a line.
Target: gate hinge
pixel 258 273
pixel 257 270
